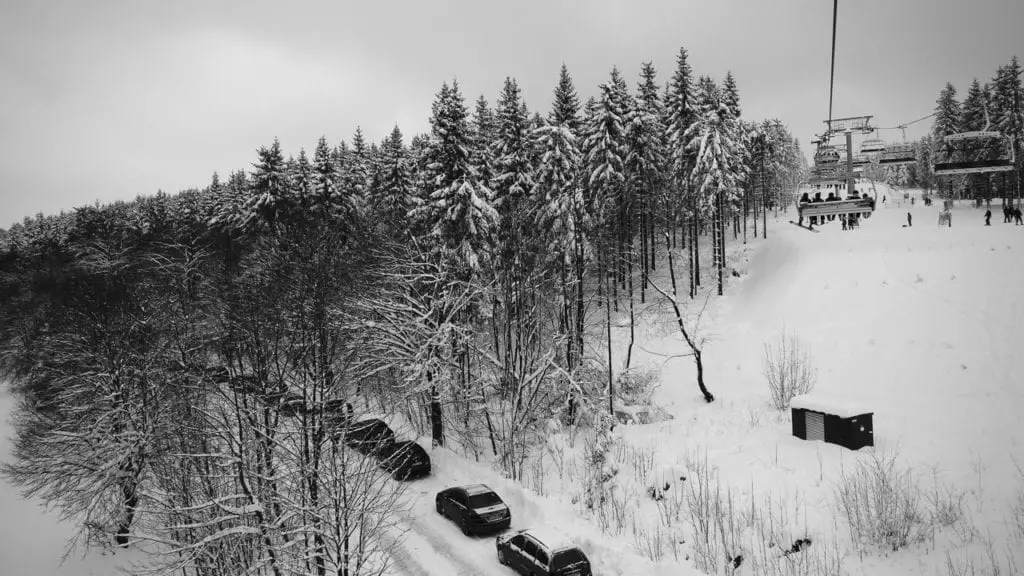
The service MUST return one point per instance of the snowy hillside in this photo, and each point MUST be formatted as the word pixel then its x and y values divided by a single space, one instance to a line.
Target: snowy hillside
pixel 920 324
pixel 917 323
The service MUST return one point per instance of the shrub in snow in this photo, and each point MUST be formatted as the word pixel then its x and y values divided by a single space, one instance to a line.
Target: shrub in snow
pixel 663 480
pixel 601 468
pixel 634 386
pixel 1017 507
pixel 788 369
pixel 882 504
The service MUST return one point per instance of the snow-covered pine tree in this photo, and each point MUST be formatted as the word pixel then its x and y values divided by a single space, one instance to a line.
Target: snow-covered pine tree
pixel 947 113
pixel 482 128
pixel 646 163
pixel 1008 117
pixel 947 121
pixel 269 192
pixel 974 115
pixel 561 218
pixel 605 179
pixel 973 108
pixel 513 174
pixel 302 178
pixel 356 171
pixel 566 108
pixel 396 189
pixel 681 114
pixel 731 95
pixel 458 210
pixel 606 151
pixel 325 176
pixel 1006 88
pixel 718 154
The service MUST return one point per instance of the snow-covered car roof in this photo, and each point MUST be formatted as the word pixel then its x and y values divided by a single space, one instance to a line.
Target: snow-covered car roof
pixel 475 489
pixel 552 539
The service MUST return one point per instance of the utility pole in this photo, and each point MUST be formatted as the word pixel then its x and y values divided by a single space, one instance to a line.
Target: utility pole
pixel 849 162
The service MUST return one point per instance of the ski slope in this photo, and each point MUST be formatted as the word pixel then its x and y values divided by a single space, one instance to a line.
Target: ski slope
pixel 923 324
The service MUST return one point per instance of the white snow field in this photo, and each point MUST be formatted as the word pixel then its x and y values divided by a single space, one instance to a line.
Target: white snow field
pixel 920 324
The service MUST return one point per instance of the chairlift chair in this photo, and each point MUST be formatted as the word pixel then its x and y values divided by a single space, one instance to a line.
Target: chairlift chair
pixel 973 153
pixel 872 146
pixel 826 155
pixel 896 154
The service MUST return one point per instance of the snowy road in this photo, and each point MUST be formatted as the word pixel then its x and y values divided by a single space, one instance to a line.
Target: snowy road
pixel 432 545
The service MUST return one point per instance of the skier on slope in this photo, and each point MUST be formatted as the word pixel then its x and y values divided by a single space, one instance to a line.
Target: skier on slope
pixel 988 217
pixel 910 220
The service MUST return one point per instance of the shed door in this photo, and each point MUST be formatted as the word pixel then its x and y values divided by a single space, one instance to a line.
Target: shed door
pixel 815 426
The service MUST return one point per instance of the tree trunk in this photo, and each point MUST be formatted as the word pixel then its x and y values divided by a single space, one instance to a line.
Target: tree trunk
pixel 643 252
pixel 608 323
pixel 436 414
pixel 694 348
pixel 632 317
pixel 696 246
pixel 129 501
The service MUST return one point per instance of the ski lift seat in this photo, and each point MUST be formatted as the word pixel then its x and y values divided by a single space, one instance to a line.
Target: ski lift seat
pixel 872 146
pixel 898 154
pixel 826 208
pixel 974 153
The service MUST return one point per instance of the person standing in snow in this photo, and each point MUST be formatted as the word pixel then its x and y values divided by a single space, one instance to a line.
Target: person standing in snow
pixel 988 217
pixel 1017 217
pixel 910 220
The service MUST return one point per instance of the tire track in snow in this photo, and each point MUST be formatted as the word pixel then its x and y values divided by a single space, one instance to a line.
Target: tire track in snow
pixel 415 555
pixel 402 558
pixel 466 564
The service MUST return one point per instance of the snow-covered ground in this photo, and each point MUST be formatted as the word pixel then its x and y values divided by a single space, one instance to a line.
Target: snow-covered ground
pixel 920 324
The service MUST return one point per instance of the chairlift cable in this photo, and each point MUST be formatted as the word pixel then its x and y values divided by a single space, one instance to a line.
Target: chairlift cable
pixel 832 74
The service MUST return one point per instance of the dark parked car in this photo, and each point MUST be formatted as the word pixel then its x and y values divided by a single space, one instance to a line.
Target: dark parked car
pixel 405 460
pixel 291 405
pixel 538 552
pixel 338 412
pixel 475 509
pixel 368 436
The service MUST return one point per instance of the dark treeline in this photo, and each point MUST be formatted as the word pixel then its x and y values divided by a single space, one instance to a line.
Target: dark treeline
pixel 462 281
pixel 998 106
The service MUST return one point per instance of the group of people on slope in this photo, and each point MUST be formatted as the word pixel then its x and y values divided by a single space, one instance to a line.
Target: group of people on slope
pixel 1010 214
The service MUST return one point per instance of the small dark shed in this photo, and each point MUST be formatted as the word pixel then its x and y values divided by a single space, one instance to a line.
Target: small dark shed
pixel 833 420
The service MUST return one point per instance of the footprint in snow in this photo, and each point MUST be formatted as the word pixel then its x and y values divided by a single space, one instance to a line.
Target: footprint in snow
pixel 953 277
pixel 963 366
pixel 918 280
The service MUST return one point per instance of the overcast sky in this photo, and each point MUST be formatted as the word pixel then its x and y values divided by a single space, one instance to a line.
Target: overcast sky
pixel 106 100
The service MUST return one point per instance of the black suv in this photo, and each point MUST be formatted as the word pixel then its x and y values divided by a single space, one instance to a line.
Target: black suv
pixel 405 460
pixel 476 509
pixel 541 553
pixel 368 436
